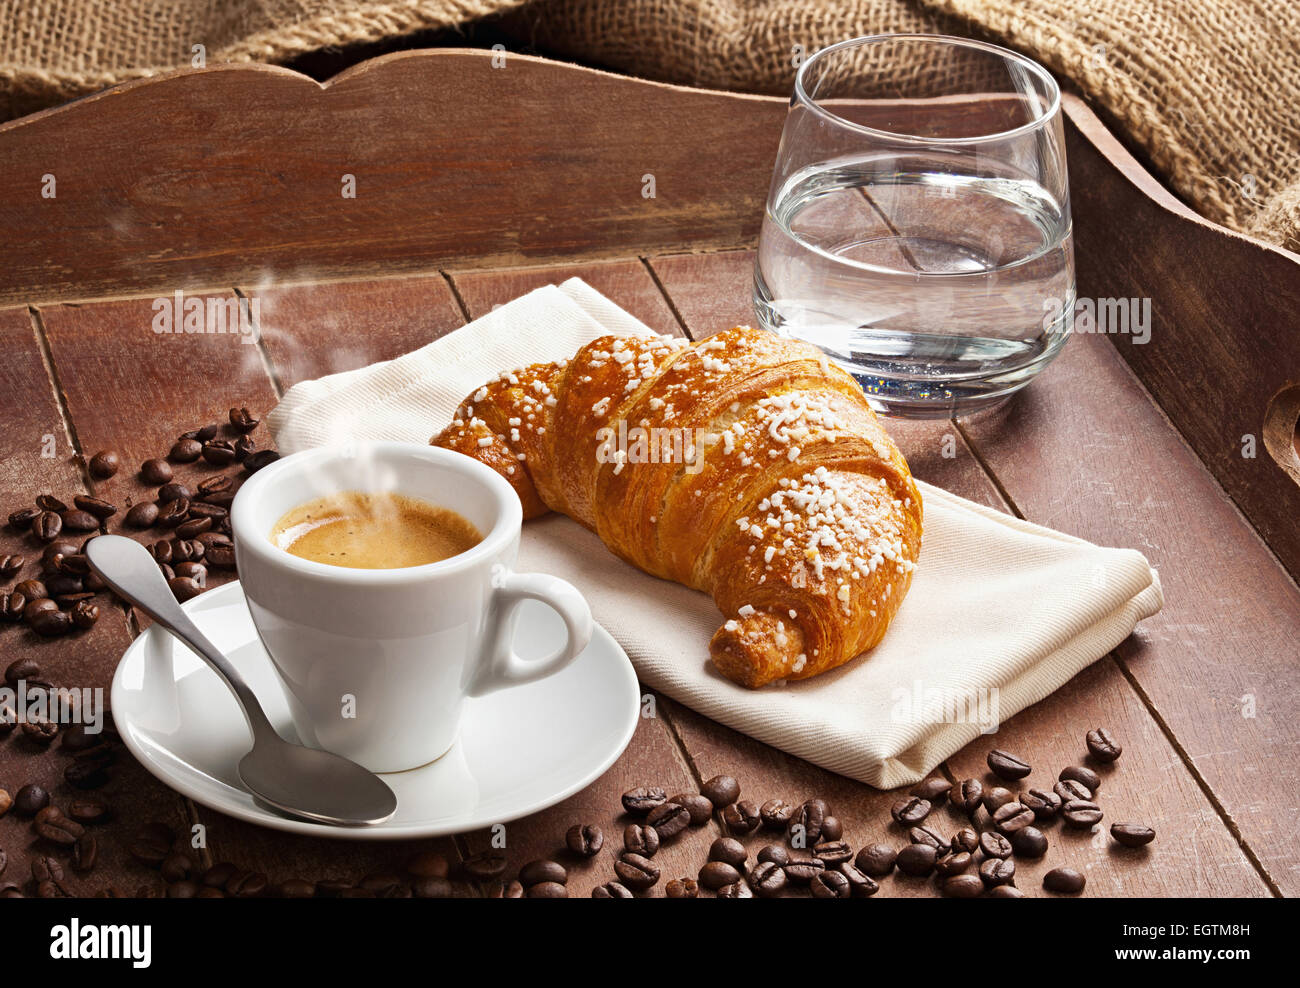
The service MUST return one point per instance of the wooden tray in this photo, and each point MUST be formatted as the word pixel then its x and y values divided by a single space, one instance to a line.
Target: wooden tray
pixel 475 183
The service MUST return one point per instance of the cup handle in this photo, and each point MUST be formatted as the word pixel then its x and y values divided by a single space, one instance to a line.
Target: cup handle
pixel 500 666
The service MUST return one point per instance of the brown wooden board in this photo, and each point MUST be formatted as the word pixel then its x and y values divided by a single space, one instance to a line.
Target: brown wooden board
pixel 454 153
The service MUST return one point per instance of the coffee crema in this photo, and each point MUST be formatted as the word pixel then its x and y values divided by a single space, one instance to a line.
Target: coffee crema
pixel 373 531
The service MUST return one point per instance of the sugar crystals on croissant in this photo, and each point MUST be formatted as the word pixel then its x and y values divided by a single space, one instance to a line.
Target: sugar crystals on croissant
pixel 745 465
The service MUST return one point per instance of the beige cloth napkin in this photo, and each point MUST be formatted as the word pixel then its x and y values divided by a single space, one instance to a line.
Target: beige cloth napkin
pixel 1000 614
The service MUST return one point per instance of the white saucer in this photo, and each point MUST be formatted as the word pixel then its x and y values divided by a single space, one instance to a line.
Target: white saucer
pixel 520 750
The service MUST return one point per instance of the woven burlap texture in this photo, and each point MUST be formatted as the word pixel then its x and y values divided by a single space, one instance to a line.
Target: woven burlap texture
pixel 1208 90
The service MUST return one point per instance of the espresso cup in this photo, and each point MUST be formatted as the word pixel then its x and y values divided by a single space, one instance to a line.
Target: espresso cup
pixel 376 664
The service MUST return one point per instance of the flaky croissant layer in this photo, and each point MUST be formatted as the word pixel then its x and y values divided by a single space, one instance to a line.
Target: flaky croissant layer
pixel 745 465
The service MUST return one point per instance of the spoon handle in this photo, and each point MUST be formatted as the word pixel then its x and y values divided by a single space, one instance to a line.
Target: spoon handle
pixel 132 573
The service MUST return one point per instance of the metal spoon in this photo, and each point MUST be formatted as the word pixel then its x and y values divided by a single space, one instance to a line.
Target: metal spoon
pixel 303 782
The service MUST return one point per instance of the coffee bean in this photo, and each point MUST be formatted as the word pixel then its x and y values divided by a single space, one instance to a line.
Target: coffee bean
pixel 917 859
pixel 953 864
pixel 11 565
pixel 84 614
pixel 51 553
pixel 965 839
pixel 776 814
pixel 484 865
pixel 52 825
pixel 184 588
pixel 62 586
pixel 933 790
pixel 584 841
pixel 203 434
pixel 716 874
pixel 832 829
pixel 876 860
pixel 1045 803
pixel 699 807
pixel 431 864
pixel 1082 775
pixel 669 819
pixel 46 869
pixel 997 871
pixel 220 873
pixel 155 472
pixel 38 606
pixel 22 519
pixel 910 811
pixel 997 797
pixel 211 512
pixel 242 420
pixel 612 890
pixel 1011 817
pixel 75 564
pixel 23 669
pixel 39 730
pixel 219 452
pixel 32 589
pixel 48 502
pixel 262 458
pixel 861 886
pixel 173 512
pixel 1081 813
pixel 244 448
pixel 636 871
pixel 1007 766
pixel 736 890
pixel 295 888
pixel 962 887
pixel 222 556
pixel 808 821
pixel 774 853
pixel 830 885
pixel 1132 834
pixel 174 491
pixel 151 843
pixel 185 451
pixel 30 800
pixel 801 871
pixel 176 867
pixel 1102 746
pixel 81 775
pixel 643 840
pixel 6 801
pixel 767 879
pixel 12 604
pixel 721 790
pixel 833 852
pixel 50 623
pixel 928 835
pixel 682 888
pixel 76 520
pixel 85 809
pixel 214 485
pixel 994 845
pixel 643 799
pixel 1069 789
pixel 194 527
pixel 85 852
pixel 142 515
pixel 969 796
pixel 247 885
pixel 543 870
pixel 728 850
pixel 98 507
pixel 47 526
pixel 1029 843
pixel 1065 880
pixel 104 464
pixel 741 818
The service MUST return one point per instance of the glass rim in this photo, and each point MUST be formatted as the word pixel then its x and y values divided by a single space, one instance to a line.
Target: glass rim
pixel 1042 118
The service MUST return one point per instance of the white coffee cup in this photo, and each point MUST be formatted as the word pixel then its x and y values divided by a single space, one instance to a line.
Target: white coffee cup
pixel 376 663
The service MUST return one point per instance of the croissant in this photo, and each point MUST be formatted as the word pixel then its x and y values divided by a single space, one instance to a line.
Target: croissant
pixel 745 465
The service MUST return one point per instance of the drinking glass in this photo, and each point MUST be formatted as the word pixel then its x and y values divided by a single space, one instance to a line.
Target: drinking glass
pixel 918 224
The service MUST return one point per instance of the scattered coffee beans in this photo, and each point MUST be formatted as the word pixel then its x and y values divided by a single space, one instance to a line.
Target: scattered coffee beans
pixel 1007 766
pixel 1102 746
pixel 1132 834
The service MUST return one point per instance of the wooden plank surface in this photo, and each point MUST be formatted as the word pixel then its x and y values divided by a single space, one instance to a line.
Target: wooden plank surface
pixel 34 427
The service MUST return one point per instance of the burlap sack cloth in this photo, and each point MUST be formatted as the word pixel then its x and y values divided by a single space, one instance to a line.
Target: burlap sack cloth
pixel 1209 90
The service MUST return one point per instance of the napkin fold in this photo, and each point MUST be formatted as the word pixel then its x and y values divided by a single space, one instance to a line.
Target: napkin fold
pixel 1001 612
